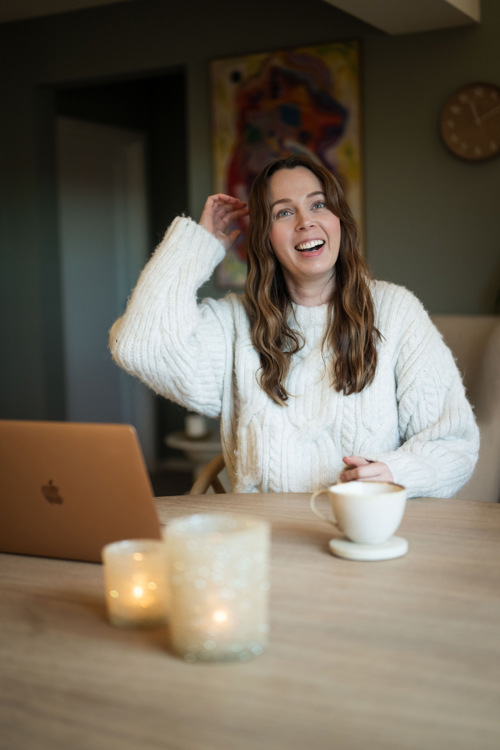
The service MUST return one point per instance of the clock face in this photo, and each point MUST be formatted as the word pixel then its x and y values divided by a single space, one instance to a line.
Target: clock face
pixel 470 122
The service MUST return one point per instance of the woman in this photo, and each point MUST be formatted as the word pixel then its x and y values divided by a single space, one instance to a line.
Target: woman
pixel 317 373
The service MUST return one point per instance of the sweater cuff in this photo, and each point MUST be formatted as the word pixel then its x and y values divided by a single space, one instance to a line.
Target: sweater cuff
pixel 190 247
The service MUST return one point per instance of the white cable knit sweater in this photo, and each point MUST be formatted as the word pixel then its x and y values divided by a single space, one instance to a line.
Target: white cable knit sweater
pixel 414 416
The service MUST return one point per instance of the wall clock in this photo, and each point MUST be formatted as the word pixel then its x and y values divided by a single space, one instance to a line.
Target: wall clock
pixel 470 122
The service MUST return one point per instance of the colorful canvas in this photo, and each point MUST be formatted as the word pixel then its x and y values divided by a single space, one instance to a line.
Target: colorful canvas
pixel 304 100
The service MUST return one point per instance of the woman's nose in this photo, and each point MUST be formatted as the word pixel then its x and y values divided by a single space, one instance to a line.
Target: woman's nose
pixel 304 221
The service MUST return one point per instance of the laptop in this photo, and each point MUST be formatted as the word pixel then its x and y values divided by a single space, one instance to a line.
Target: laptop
pixel 67 489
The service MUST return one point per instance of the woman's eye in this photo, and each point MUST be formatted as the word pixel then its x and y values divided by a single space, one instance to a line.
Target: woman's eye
pixel 319 204
pixel 283 212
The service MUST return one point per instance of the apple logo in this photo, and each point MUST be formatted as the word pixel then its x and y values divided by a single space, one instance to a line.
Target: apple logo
pixel 50 492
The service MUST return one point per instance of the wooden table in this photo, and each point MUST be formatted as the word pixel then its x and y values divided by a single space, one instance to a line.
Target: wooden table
pixel 401 654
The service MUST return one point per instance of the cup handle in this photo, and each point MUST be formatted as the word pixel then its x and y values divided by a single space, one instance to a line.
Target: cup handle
pixel 316 512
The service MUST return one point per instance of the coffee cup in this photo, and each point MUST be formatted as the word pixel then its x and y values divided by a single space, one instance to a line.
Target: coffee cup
pixel 365 512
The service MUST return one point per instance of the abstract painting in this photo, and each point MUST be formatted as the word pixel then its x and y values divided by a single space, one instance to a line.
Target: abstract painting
pixel 303 100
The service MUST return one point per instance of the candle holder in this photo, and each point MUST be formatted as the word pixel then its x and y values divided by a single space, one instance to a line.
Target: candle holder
pixel 136 582
pixel 218 564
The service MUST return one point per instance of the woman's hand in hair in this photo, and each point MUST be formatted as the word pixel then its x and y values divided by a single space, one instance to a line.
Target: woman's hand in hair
pixel 219 213
pixel 359 468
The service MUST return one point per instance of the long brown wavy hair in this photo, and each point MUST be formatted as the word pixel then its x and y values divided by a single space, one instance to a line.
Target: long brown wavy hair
pixel 350 335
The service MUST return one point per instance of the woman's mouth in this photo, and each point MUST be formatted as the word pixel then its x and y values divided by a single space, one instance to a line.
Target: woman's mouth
pixel 310 246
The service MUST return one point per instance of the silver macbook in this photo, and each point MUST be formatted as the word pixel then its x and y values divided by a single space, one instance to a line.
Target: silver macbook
pixel 67 489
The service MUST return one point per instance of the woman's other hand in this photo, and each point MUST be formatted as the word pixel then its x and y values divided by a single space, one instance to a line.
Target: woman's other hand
pixel 359 468
pixel 219 212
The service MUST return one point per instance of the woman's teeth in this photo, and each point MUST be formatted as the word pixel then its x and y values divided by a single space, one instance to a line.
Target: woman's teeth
pixel 308 246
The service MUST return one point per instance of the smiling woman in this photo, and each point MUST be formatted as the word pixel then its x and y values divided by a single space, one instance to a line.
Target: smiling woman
pixel 318 372
pixel 305 235
pixel 296 203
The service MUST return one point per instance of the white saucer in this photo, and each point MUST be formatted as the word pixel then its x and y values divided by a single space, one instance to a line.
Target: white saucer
pixel 396 546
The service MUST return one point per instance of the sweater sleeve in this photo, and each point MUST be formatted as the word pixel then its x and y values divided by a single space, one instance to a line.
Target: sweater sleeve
pixel 438 431
pixel 174 345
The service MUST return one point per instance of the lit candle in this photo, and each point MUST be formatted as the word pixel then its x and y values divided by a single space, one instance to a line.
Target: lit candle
pixel 135 575
pixel 218 566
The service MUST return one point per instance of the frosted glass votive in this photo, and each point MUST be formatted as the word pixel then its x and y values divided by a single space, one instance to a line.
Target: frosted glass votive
pixel 136 581
pixel 218 565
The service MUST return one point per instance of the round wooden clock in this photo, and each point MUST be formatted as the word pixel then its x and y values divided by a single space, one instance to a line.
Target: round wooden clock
pixel 470 122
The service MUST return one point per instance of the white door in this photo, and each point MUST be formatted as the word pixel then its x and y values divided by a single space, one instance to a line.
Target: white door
pixel 103 232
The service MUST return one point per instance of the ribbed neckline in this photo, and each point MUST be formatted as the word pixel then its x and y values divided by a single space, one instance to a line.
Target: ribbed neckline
pixel 310 316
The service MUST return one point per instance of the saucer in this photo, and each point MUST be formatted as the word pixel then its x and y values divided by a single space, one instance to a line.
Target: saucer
pixel 396 546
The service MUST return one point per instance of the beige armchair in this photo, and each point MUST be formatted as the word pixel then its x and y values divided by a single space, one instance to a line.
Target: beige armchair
pixel 475 343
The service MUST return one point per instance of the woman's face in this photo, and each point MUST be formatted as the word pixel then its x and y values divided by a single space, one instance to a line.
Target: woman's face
pixel 305 234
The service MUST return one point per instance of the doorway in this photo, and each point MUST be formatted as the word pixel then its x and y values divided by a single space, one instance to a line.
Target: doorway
pixel 125 144
pixel 103 237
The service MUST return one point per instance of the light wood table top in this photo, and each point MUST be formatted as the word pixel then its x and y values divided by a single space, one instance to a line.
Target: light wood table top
pixel 396 655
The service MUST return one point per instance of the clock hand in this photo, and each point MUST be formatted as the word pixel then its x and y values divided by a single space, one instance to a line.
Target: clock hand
pixel 477 119
pixel 491 113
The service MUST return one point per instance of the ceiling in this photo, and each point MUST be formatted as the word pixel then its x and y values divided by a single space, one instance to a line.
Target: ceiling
pixel 410 16
pixel 391 16
pixel 18 10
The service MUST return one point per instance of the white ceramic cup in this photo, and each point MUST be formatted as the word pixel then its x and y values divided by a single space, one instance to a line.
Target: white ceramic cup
pixel 366 512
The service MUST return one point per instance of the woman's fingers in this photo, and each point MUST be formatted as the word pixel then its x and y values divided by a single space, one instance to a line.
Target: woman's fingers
pixel 359 468
pixel 219 212
pixel 222 208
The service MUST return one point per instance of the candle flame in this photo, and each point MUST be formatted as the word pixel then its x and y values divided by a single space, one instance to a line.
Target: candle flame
pixel 219 616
